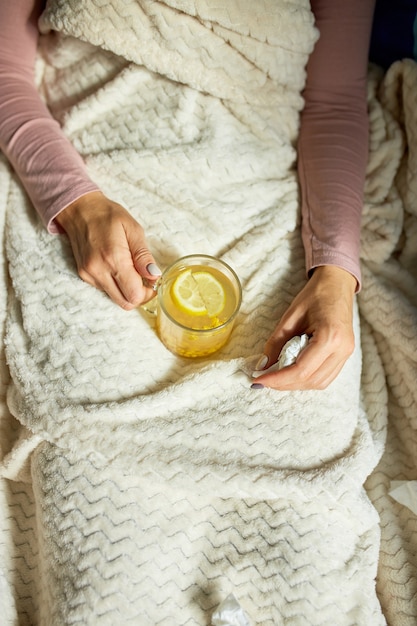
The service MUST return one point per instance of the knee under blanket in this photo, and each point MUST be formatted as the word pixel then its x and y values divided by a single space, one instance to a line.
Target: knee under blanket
pixel 156 485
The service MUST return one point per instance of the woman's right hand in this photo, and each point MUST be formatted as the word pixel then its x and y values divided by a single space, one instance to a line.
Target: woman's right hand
pixel 110 249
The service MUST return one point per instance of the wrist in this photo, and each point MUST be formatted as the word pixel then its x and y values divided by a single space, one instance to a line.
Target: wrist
pixel 74 210
pixel 337 276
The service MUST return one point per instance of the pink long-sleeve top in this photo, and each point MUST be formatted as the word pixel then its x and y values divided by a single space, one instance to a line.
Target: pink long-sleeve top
pixel 332 148
pixel 51 170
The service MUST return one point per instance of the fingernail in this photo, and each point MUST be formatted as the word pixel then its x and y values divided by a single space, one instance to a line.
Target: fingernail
pixel 153 269
pixel 261 363
pixel 256 386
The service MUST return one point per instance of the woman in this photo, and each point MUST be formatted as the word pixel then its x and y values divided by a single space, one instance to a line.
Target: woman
pixel 110 247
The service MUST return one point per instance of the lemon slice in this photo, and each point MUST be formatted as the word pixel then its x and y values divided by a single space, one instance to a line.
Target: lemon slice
pixel 198 293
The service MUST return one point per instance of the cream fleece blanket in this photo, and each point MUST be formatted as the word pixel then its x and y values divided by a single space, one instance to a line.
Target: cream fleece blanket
pixel 143 488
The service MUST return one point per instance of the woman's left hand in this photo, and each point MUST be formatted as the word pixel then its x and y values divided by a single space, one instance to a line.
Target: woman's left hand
pixel 324 311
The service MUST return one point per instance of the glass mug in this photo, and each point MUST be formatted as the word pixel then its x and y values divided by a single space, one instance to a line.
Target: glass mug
pixel 197 302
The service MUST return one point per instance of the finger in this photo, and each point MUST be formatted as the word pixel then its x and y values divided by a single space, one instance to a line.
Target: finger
pixel 315 368
pixel 274 346
pixel 131 287
pixel 108 285
pixel 142 257
pixel 291 324
pixel 124 286
pixel 116 274
pixel 292 378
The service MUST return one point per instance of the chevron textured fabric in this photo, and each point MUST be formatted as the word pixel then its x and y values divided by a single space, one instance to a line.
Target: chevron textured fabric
pixel 142 488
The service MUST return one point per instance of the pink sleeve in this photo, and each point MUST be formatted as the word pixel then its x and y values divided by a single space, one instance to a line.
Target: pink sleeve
pixel 333 141
pixel 50 169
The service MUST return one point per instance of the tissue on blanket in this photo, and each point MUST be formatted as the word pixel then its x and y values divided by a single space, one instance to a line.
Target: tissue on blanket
pixel 230 613
pixel 405 492
pixel 161 479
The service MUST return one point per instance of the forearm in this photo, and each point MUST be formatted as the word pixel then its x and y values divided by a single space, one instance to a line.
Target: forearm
pixel 332 163
pixel 333 141
pixel 48 166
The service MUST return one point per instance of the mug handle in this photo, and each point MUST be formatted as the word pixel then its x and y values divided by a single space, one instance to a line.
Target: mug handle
pixel 151 307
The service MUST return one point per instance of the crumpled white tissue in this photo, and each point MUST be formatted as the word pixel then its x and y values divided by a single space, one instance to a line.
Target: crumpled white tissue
pixel 405 492
pixel 230 613
pixel 287 356
pixel 291 350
